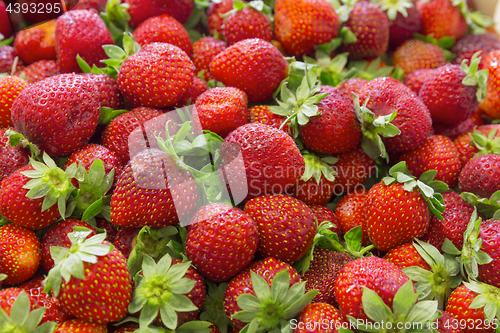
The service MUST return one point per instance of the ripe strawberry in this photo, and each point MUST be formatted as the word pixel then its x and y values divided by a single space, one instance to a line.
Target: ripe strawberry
pixel 5 27
pixel 40 70
pixel 456 217
pixel 19 254
pixel 70 99
pixel 466 126
pixel 404 20
pixel 491 104
pixel 204 50
pixel 144 181
pixel 116 134
pixel 416 54
pixel 80 325
pixel 377 274
pixel 323 214
pixel 262 114
pixel 141 10
pixel 156 65
pixel 7 56
pixel 481 176
pixel 10 88
pixel 300 25
pixel 406 256
pixel 466 145
pixel 195 90
pixel 286 226
pixel 316 316
pixel 272 160
pixel 222 110
pixel 436 153
pixel 126 238
pixel 36 43
pixel 163 29
pixel 38 298
pixel 58 236
pixel 215 13
pixel 322 273
pixel 99 5
pixel 247 23
pixel 353 85
pixel 489 233
pixel 257 68
pixel 80 32
pixel 447 324
pixel 353 169
pixel 11 158
pixel 7 297
pixel 350 211
pixel 366 16
pixel 414 80
pixel 107 88
pixel 433 13
pixel 467 46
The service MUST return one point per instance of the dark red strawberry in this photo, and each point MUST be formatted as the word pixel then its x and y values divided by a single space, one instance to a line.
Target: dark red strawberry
pixel 466 126
pixel 489 233
pixel 107 88
pixel 353 85
pixel 215 13
pixel 11 158
pixel 247 23
pixel 204 50
pixel 126 239
pixel 481 176
pixel 404 20
pixel 141 10
pixel 76 325
pixel 110 229
pixel 36 43
pixel 189 98
pixel 433 13
pixel 318 316
pixel 323 214
pixel 467 46
pixel 414 80
pixel 466 144
pixel 7 56
pixel 40 70
pixel 406 256
pixel 5 27
pixel 353 169
pixel 350 211
pixel 416 54
pixel 10 88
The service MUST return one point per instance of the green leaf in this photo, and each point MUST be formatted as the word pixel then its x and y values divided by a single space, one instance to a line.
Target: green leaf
pixel 374 306
pixel 294 309
pixel 20 309
pixel 181 303
pixel 114 52
pixel 47 327
pixel 34 319
pixel 422 311
pixel 403 300
pixel 248 302
pixel 178 271
pixel 149 313
pixel 182 286
pixel 280 285
pixel 148 267
pixel 260 286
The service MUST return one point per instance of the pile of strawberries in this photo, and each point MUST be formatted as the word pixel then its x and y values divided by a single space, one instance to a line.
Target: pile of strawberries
pixel 265 166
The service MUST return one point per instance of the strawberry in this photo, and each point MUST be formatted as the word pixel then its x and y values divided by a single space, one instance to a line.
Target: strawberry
pixel 99 5
pixel 103 294
pixel 80 32
pixel 71 99
pixel 10 88
pixel 481 176
pixel 322 273
pixel 433 12
pixel 469 144
pixel 489 234
pixel 301 25
pixel 350 212
pixel 286 226
pixel 257 68
pixel 447 324
pixel 353 85
pixel 317 315
pixel 467 46
pixel 107 87
pixel 146 180
pixel 456 217
pixel 436 153
pixel 11 158
pixel 141 10
pixel 406 255
pixel 491 104
pixel 40 70
pixel 353 169
pixel 272 160
pixel 197 88
pixel 204 50
pixel 7 56
pixel 58 236
pixel 7 297
pixel 163 29
pixel 323 214
pixel 36 43
pixel 20 254
pixel 80 325
pixel 262 114
pixel 222 110
pixel 415 79
pixel 256 283
pixel 215 13
pixel 404 20
pixel 246 22
pixel 5 26
pixel 466 126
pixel 38 298
pixel 416 54
pixel 171 64
pixel 366 16
pixel 125 241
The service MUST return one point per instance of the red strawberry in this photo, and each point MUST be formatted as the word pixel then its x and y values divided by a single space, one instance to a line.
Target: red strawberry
pixel 110 229
pixel 222 110
pixel 414 80
pixel 10 88
pixel 366 16
pixel 5 27
pixel 323 214
pixel 40 70
pixel 7 56
pixel 353 85
pixel 466 126
pixel 257 68
pixel 215 13
pixel 491 104
pixel 19 254
pixel 436 153
pixel 416 54
pixel 353 169
pixel 107 88
pixel 466 145
pixel 168 79
pixel 80 325
pixel 7 297
pixel 126 238
pixel 300 25
pixel 99 5
pixel 36 43
pixel 58 236
pixel 433 13
pixel 204 50
pixel 286 226
pixel 406 256
pixel 11 158
pixel 447 324
pixel 489 232
pixel 141 10
pixel 481 176
pixel 212 227
pixel 69 98
pixel 467 46
pixel 318 315
pixel 350 212
pixel 247 23
pixel 80 32
pixel 163 29
pixel 262 114
pixel 189 98
pixel 404 20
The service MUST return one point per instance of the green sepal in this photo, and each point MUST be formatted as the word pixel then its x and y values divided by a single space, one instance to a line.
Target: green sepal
pixel 318 166
pixel 108 114
pixel 476 21
pixel 213 307
pixel 445 43
pixel 370 70
pixel 476 78
pixel 392 8
pixel 116 18
pixel 17 139
pixel 487 145
pixel 331 71
pixel 489 207
pixel 7 41
pixel 487 299
pixel 344 9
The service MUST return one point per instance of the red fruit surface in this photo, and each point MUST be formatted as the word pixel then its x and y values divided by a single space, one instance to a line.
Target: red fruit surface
pixel 195 90
pixel 262 114
pixel 323 214
pixel 353 85
pixel 470 44
pixel 10 88
pixel 491 105
pixel 481 176
pixel 458 306
pixel 416 54
pixel 7 297
pixel 466 126
pixel 36 43
pixel 406 255
pixel 247 23
pixel 141 10
pixel 318 316
pixel 204 50
pixel 353 169
pixel 433 13
pixel 350 211
pixel 215 12
pixel 107 88
pixel 403 27
pixel 126 238
pixel 7 56
pixel 11 158
pixel 40 70
pixel 80 325
pixel 490 234
pixel 414 80
pixel 466 148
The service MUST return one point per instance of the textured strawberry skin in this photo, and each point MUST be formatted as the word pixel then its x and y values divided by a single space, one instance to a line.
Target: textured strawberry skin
pixel 350 211
pixel 40 70
pixel 7 297
pixel 406 255
pixel 215 19
pixel 466 149
pixel 204 50
pixel 415 80
pixel 323 214
pixel 481 176
pixel 470 44
pixel 433 13
pixel 491 105
pixel 211 244
pixel 490 234
pixel 247 23
pixel 36 43
pixel 317 315
pixel 353 169
pixel 10 88
pixel 141 10
pixel 403 27
pixel 313 193
pixel 11 158
pixel 107 87
pixel 80 325
pixel 353 85
pixel 7 56
pixel 466 126
pixel 262 114
pixel 195 90
pixel 415 54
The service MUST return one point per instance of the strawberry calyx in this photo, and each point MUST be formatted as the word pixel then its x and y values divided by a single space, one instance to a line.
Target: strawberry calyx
pixel 17 139
pixel 7 41
pixel 489 207
pixel 116 18
pixel 273 307
pixel 445 43
pixel 405 310
pixel 475 78
pixel 486 144
pixel 438 283
pixel 161 288
pixel 488 299
pixel 197 326
pixel 317 166
pixel 331 71
pixel 213 306
pixel 22 320
pixel 429 188
pixel 393 7
pixel 471 255
pixel 374 128
pixel 476 21
pixel 370 70
pixel 257 5
pixel 69 261
pixel 107 114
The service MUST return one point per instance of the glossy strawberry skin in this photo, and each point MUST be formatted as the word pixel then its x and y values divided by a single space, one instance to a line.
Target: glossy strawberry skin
pixel 80 325
pixel 11 158
pixel 80 32
pixel 141 10
pixel 490 234
pixel 323 214
pixel 415 54
pixel 195 90
pixel 171 65
pixel 107 87
pixel 204 50
pixel 432 19
pixel 447 324
pixel 406 255
pixel 350 211
pixel 300 25
pixel 286 226
pixel 317 315
pixel 353 85
pixel 211 244
pixel 19 254
pixel 456 216
pixel 353 169
pixel 313 193
pixel 394 216
pixel 215 12
pixel 59 114
pixel 7 297
pixel 242 283
pixel 470 44
pixel 491 105
pixel 403 27
pixel 36 43
pixel 466 126
pixel 415 80
pixel 126 238
pixel 262 114
pixel 375 273
pixel 481 176
pixel 247 23
pixel 466 148
pixel 257 68
pixel 40 70
pixel 10 88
